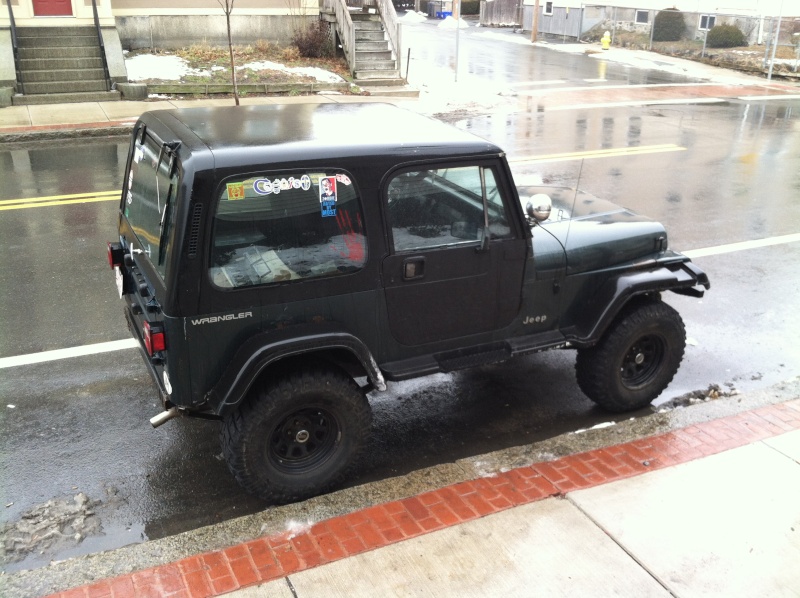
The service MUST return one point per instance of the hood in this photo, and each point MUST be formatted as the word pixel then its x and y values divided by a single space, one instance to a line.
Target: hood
pixel 596 233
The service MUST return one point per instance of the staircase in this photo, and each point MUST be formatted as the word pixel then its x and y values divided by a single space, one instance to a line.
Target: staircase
pixel 370 38
pixel 374 63
pixel 61 64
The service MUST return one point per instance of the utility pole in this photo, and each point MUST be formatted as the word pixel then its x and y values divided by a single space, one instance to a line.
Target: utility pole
pixel 535 28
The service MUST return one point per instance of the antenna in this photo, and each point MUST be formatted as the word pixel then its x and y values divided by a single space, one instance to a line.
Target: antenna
pixel 574 200
pixel 577 185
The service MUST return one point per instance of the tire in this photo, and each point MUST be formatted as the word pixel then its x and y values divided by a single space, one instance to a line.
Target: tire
pixel 297 436
pixel 636 358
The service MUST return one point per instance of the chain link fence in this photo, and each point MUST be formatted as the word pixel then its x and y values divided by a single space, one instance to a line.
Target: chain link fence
pixel 757 44
pixel 750 43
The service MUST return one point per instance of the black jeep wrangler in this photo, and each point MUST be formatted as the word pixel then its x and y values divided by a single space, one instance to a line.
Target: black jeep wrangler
pixel 273 257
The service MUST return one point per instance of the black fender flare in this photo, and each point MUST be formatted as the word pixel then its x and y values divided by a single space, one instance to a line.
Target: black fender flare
pixel 684 278
pixel 266 348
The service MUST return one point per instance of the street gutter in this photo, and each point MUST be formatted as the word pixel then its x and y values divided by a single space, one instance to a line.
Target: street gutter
pixel 58 576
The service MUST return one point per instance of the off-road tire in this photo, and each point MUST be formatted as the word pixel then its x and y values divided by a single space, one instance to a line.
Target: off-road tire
pixel 635 360
pixel 297 436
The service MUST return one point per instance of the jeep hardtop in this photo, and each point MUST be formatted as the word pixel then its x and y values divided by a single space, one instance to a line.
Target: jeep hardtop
pixel 277 263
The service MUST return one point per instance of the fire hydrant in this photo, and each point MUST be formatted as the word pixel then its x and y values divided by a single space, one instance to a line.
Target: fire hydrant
pixel 605 41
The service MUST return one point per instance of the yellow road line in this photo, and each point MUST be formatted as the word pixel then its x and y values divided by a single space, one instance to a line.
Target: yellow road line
pixel 605 153
pixel 61 200
pixel 58 200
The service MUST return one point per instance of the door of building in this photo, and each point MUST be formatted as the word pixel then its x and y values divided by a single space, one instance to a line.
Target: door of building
pixel 52 8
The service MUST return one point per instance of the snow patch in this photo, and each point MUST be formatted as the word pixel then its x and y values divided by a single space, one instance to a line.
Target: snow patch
pixel 413 17
pixel 295 528
pixel 597 427
pixel 149 66
pixel 451 23
pixel 309 71
pixel 172 68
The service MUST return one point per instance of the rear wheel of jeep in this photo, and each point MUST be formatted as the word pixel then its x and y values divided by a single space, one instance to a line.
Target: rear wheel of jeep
pixel 635 360
pixel 297 437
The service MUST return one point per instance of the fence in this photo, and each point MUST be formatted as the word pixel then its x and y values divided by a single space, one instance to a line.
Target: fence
pixel 672 32
pixel 692 33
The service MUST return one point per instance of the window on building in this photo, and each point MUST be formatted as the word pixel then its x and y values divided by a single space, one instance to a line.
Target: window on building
pixel 548 8
pixel 707 22
pixel 642 16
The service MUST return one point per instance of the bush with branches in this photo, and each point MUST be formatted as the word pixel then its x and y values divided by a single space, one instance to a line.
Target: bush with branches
pixel 726 36
pixel 668 26
pixel 314 41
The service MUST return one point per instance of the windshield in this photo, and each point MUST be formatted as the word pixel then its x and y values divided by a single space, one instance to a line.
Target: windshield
pixel 149 198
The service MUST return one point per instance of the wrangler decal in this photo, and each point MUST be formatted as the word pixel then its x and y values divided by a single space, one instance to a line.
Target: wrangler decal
pixel 225 318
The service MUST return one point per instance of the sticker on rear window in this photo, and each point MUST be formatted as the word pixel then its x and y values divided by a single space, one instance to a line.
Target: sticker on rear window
pixel 262 186
pixel 235 190
pixel 327 195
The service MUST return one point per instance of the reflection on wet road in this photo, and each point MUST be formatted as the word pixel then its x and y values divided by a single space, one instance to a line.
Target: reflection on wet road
pixel 715 174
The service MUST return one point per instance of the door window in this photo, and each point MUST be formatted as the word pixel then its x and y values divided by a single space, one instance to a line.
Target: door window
pixel 444 207
pixel 287 226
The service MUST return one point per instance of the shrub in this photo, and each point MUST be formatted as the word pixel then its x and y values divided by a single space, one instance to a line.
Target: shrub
pixel 290 54
pixel 726 36
pixel 314 41
pixel 668 26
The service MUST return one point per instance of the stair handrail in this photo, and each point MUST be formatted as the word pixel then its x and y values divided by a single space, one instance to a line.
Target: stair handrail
pixel 392 27
pixel 346 29
pixel 102 45
pixel 15 48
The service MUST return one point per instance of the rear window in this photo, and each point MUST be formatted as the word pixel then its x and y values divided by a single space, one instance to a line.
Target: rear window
pixel 287 226
pixel 149 198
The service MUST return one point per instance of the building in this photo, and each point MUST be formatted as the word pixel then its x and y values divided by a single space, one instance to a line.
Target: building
pixel 76 46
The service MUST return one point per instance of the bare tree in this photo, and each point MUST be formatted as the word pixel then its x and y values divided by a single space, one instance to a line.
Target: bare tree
pixel 227 6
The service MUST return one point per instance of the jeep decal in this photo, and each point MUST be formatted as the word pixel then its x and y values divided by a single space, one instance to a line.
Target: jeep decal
pixel 225 318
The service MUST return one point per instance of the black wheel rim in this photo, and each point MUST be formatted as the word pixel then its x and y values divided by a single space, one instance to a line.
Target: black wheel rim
pixel 642 361
pixel 303 440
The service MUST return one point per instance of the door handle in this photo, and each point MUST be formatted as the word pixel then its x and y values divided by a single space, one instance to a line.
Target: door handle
pixel 413 268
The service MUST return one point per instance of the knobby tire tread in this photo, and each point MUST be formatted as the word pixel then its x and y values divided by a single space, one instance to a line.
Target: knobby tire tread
pixel 595 367
pixel 260 402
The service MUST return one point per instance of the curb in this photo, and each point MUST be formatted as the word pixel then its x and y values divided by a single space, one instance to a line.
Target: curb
pixel 273 557
pixel 73 131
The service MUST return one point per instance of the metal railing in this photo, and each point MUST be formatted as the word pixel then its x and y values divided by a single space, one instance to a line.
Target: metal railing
pixel 101 43
pixel 15 47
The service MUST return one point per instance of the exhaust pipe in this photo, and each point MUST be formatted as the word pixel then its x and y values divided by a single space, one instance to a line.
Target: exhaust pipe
pixel 164 417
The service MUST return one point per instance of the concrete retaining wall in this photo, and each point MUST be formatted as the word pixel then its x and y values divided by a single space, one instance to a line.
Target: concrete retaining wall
pixel 169 32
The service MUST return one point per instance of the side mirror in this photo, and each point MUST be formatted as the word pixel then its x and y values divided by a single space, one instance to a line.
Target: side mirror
pixel 539 206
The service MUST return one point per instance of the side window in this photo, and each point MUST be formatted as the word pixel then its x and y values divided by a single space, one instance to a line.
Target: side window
pixel 444 207
pixel 287 226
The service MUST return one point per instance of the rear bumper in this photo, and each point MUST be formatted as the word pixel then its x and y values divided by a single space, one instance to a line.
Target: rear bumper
pixel 151 368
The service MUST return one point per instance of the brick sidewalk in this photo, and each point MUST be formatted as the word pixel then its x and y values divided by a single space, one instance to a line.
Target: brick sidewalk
pixel 274 557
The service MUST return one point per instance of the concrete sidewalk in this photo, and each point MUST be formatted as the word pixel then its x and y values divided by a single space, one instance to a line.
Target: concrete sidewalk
pixel 709 509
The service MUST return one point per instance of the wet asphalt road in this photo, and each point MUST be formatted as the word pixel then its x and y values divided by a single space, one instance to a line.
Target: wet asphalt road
pixel 80 425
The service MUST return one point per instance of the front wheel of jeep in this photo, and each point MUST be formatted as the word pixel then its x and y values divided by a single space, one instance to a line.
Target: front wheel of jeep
pixel 635 360
pixel 298 436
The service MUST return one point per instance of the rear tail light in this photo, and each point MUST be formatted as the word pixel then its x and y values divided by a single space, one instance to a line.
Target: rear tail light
pixel 154 338
pixel 115 255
